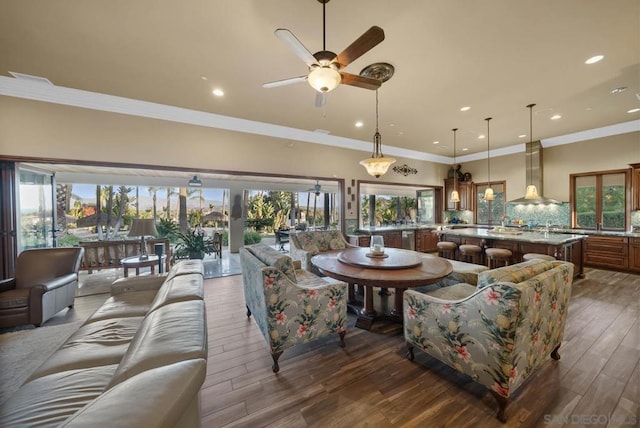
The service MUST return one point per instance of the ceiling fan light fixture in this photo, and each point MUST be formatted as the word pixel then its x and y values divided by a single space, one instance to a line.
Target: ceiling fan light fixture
pixel 324 78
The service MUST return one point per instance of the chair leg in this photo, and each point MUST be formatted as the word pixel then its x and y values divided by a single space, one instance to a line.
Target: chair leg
pixel 410 355
pixel 248 311
pixel 341 334
pixel 275 367
pixel 502 406
pixel 554 354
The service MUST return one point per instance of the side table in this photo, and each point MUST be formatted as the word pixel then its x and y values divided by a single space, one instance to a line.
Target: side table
pixel 135 262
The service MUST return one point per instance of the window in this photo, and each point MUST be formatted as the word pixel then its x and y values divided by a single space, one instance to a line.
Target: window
pixel 490 212
pixel 600 198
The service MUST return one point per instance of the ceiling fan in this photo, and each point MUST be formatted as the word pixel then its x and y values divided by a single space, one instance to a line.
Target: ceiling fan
pixel 316 188
pixel 325 67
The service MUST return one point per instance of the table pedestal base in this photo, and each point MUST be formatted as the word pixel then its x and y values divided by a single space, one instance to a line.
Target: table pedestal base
pixel 376 306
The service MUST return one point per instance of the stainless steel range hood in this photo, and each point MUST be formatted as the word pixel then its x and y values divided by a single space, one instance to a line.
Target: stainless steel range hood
pixel 533 167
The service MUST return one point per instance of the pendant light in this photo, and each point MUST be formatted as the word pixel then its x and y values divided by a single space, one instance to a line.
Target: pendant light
pixel 532 190
pixel 531 196
pixel 488 193
pixel 377 164
pixel 455 196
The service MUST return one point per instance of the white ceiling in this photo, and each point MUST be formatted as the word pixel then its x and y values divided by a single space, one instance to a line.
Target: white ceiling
pixel 495 56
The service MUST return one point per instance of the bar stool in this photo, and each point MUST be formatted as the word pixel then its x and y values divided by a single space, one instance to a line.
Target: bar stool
pixel 469 252
pixel 532 256
pixel 447 249
pixel 495 255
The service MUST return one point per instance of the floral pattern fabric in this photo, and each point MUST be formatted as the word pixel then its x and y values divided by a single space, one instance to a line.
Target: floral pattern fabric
pixel 290 312
pixel 306 244
pixel 501 333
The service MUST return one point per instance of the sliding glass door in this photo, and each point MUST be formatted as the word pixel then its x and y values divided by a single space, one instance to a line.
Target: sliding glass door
pixel 36 220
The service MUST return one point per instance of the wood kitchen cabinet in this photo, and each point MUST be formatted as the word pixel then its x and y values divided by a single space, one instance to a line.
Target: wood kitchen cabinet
pixel 426 240
pixel 392 238
pixel 359 240
pixel 634 254
pixel 609 252
pixel 466 195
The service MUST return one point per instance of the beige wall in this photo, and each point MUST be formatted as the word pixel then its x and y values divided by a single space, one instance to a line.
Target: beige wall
pixel 31 128
pixel 37 129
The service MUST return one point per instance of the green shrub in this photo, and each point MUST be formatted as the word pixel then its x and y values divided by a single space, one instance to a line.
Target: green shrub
pixel 252 237
pixel 68 240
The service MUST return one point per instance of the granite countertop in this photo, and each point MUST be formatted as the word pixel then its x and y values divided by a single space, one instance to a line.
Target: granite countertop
pixel 515 235
pixel 459 226
pixel 373 229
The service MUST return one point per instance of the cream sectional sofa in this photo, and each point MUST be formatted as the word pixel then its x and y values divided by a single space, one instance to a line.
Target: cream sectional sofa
pixel 138 361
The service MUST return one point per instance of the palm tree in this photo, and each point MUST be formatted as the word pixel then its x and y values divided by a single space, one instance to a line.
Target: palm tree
pixel 154 194
pixel 170 191
pixel 182 210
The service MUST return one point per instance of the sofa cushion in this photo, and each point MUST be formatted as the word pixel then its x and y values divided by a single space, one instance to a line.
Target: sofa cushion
pixel 186 267
pixel 96 344
pixel 52 399
pixel 275 259
pixel 454 292
pixel 171 333
pixel 514 273
pixel 159 397
pixel 16 298
pixel 130 304
pixel 178 289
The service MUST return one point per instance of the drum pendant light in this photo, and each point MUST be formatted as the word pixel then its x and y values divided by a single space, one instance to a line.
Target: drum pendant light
pixel 532 190
pixel 455 196
pixel 488 193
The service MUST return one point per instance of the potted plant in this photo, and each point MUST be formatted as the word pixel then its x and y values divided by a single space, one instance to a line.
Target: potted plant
pixel 193 245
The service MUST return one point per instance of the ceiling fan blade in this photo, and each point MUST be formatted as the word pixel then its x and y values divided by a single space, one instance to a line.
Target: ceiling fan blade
pixel 296 46
pixel 359 81
pixel 284 82
pixel 364 43
pixel 321 99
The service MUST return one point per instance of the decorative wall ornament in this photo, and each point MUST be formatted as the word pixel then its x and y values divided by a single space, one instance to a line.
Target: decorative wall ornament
pixel 404 170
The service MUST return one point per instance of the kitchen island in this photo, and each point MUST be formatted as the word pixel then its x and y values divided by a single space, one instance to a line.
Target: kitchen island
pixel 562 246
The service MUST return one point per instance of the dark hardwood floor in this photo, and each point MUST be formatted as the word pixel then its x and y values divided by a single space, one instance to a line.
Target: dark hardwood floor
pixel 370 383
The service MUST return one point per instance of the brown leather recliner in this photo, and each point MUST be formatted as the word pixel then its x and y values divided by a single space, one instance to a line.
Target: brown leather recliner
pixel 45 283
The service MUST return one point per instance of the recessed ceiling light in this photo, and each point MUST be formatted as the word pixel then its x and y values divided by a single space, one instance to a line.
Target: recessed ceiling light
pixel 633 110
pixel 465 149
pixel 522 135
pixel 619 90
pixel 556 117
pixel 594 59
pixel 204 77
pixel 392 125
pixel 436 142
pixel 481 137
pixel 218 92
pixel 465 108
pixel 359 124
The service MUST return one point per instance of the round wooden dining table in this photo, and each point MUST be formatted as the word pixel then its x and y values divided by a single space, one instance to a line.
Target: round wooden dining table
pixel 397 269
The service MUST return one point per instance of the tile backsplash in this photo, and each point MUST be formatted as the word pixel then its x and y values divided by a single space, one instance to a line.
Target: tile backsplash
pixel 557 215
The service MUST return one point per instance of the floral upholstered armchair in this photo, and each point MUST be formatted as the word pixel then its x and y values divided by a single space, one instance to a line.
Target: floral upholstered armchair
pixel 306 244
pixel 290 306
pixel 499 332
